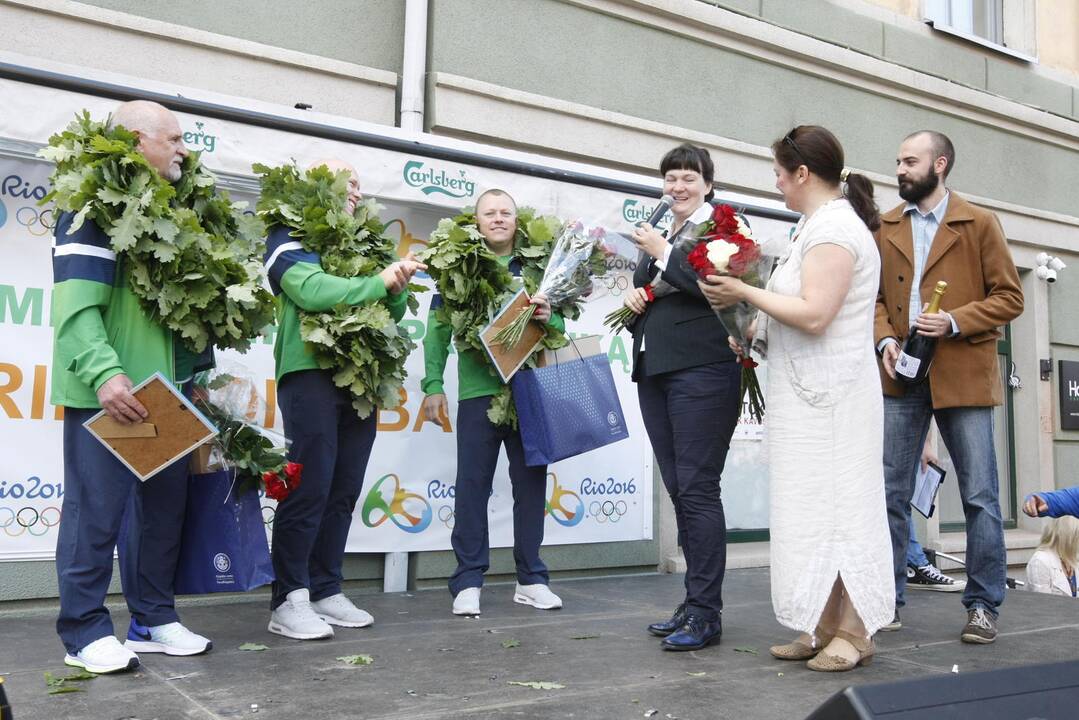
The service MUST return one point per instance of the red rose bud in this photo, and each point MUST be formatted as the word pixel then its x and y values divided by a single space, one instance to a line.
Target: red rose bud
pixel 725 220
pixel 698 260
pixel 649 293
pixel 275 487
pixel 748 253
pixel 749 363
pixel 293 471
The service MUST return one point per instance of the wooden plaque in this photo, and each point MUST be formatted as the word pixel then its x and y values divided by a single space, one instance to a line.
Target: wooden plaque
pixel 173 428
pixel 508 360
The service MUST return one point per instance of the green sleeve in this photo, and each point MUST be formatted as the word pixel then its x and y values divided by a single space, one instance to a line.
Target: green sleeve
pixel 397 304
pixel 314 290
pixel 557 322
pixel 436 349
pixel 81 344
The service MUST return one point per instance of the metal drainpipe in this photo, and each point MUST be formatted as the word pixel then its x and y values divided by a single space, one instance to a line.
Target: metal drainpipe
pixel 413 75
pixel 414 67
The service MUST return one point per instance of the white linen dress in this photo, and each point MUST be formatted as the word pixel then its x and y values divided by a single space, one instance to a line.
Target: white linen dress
pixel 825 426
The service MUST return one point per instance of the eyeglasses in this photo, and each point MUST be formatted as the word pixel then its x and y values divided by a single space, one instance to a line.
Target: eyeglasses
pixel 790 141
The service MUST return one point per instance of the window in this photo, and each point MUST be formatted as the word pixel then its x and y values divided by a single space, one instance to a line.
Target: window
pixel 1006 26
pixel 984 18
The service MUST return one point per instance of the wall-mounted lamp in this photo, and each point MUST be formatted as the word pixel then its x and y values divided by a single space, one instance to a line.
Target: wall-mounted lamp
pixel 1048 267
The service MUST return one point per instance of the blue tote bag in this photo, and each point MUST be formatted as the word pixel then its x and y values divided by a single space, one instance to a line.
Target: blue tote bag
pixel 224 546
pixel 567 408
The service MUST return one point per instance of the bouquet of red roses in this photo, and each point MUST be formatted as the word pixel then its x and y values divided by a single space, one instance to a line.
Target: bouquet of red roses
pixel 228 396
pixel 724 245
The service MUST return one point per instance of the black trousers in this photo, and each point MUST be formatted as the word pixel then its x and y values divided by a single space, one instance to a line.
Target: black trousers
pixel 311 525
pixel 690 416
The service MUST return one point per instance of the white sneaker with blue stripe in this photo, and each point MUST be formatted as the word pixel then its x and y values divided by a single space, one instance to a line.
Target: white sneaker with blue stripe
pixel 170 639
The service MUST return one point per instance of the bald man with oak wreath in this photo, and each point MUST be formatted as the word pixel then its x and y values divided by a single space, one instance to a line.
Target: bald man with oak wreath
pixel 103 344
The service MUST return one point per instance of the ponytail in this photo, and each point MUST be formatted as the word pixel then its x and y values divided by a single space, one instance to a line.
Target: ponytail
pixel 859 192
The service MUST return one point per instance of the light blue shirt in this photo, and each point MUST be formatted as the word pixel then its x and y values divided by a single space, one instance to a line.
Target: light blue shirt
pixel 923 230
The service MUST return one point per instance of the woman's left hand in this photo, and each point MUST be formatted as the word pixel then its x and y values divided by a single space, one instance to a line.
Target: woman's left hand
pixel 648 239
pixel 722 291
pixel 543 307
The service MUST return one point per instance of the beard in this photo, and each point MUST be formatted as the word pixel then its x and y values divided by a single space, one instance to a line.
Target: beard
pixel 917 189
pixel 174 173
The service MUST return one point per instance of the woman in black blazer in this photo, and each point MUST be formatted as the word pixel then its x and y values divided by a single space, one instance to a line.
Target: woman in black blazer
pixel 688 384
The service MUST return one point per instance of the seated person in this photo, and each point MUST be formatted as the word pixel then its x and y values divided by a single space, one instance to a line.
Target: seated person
pixel 1052 568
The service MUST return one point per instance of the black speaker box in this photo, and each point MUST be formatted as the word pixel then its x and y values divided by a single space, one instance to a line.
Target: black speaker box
pixel 1030 692
pixel 5 709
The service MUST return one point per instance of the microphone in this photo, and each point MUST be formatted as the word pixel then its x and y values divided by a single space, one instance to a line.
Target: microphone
pixel 665 204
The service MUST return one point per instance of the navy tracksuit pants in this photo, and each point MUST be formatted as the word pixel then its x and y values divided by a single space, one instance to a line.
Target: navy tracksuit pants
pixel 98 489
pixel 478 445
pixel 311 525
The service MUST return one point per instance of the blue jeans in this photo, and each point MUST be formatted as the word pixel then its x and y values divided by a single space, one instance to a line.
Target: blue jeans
pixel 967 432
pixel 915 553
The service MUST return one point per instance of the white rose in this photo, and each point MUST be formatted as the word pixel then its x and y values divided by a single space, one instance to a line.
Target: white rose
pixel 719 254
pixel 743 228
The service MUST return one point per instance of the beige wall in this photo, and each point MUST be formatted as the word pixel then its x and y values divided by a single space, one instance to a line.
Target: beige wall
pixel 911 8
pixel 1058 29
pixel 1058 34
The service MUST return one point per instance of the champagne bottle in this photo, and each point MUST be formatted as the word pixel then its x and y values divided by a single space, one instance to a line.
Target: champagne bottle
pixel 912 366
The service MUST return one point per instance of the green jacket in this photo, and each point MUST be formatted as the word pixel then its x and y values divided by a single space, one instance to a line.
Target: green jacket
pixel 299 283
pixel 476 376
pixel 99 328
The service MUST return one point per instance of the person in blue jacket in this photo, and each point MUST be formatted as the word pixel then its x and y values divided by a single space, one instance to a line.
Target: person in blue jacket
pixel 1053 503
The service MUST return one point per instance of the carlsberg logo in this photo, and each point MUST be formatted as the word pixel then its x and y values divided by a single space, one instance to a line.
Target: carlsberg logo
pixel 635 211
pixel 430 181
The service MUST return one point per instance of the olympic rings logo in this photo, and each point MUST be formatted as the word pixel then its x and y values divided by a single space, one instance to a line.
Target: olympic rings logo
pixel 608 510
pixel 37 222
pixel 268 515
pixel 395 510
pixel 28 519
pixel 615 284
pixel 447 516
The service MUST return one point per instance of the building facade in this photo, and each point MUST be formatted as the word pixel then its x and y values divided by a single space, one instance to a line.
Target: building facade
pixel 615 83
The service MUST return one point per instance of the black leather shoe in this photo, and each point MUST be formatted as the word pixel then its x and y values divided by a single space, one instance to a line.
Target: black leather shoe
pixel 666 627
pixel 695 634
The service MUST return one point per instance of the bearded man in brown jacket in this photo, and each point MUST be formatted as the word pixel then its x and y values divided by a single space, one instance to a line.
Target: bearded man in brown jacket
pixel 937 235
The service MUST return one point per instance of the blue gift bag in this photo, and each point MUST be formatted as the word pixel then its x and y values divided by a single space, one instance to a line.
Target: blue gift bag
pixel 224 546
pixel 567 408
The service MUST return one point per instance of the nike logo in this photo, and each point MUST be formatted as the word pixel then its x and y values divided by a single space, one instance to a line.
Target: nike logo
pixel 138 632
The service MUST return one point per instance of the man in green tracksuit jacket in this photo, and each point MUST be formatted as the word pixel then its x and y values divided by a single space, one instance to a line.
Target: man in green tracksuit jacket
pixel 103 344
pixel 331 441
pixel 479 441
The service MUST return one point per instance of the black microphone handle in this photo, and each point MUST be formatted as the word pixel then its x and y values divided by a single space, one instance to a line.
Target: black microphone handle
pixel 657 214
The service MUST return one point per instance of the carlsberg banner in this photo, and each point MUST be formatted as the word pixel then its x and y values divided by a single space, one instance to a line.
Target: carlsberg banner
pixel 407 500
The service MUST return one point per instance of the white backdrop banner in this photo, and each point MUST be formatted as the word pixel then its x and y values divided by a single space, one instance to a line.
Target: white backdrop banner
pixel 407 499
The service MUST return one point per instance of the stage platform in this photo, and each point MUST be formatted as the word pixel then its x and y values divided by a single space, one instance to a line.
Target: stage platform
pixel 429 665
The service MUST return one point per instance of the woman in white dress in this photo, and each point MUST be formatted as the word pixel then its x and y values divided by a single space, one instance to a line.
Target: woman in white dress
pixel 830 549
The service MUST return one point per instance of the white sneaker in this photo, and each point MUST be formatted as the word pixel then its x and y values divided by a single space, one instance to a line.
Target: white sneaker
pixel 102 656
pixel 467 602
pixel 295 618
pixel 339 610
pixel 171 639
pixel 538 596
